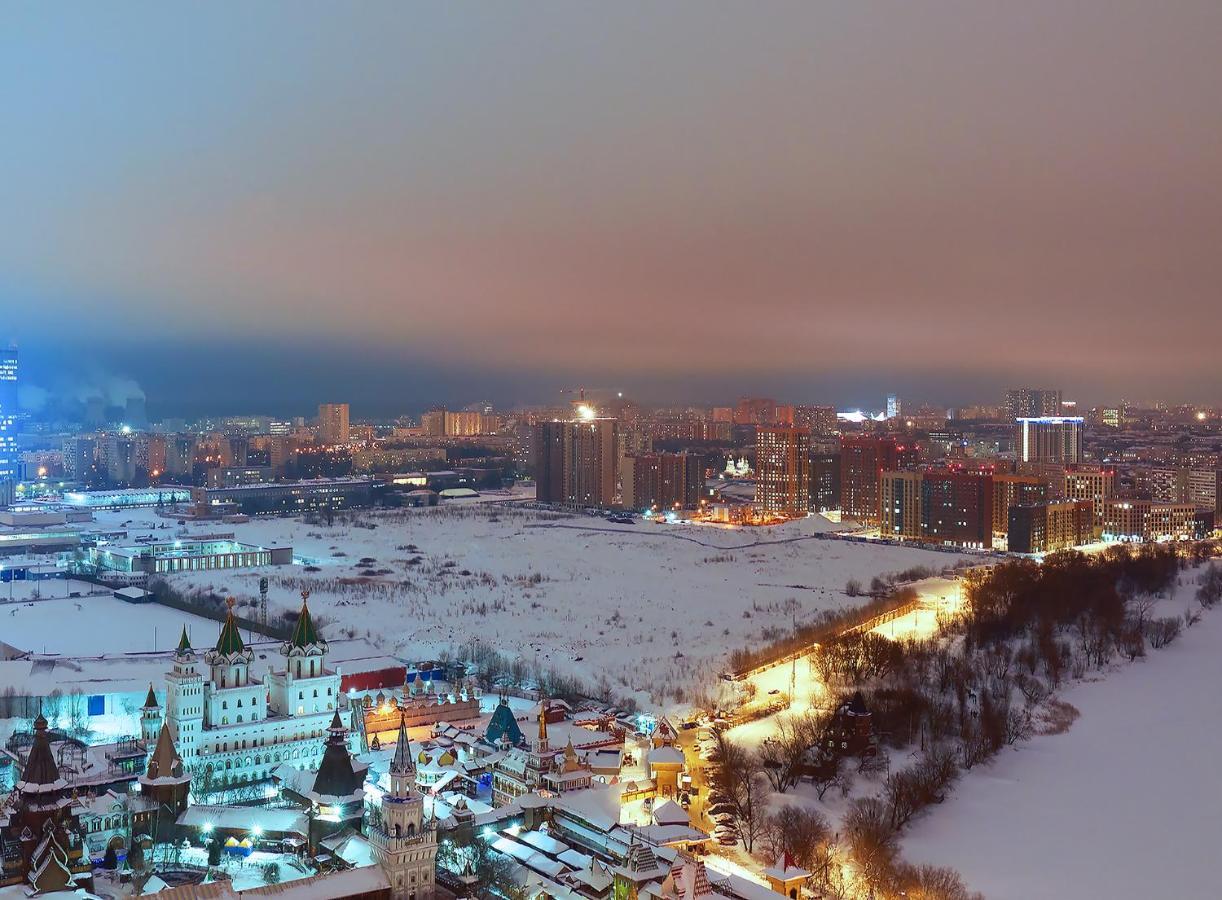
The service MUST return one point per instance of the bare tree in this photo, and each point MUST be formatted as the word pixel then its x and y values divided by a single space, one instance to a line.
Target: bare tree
pixel 802 833
pixel 1018 724
pixel 1033 690
pixel 782 755
pixel 827 774
pixel 1162 632
pixel 739 775
pixel 933 883
pixel 1209 594
pixel 871 839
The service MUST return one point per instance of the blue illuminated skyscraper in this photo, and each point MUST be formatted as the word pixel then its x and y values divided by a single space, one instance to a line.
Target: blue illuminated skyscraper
pixel 8 424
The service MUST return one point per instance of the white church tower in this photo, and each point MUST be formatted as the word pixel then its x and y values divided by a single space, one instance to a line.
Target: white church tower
pixel 406 845
pixel 184 702
pixel 306 687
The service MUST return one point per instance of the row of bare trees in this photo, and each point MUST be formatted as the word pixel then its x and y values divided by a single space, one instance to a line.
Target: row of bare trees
pixel 825 625
pixel 984 683
pixel 870 834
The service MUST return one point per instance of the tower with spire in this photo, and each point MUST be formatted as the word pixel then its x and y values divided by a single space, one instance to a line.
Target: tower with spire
pixel 150 718
pixel 336 793
pixel 42 819
pixel 231 696
pixel 184 701
pixel 166 780
pixel 230 659
pixel 405 843
pixel 541 745
pixel 232 727
pixel 306 687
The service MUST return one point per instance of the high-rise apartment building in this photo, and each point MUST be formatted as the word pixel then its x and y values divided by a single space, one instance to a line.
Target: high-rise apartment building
pixel 863 459
pixel 1032 403
pixel 821 420
pixel 901 505
pixel 1049 439
pixel 662 481
pixel 824 481
pixel 468 423
pixel 1093 483
pixel 1185 485
pixel 547 454
pixel 9 461
pixel 575 462
pixel 957 508
pixel 151 454
pixel 118 459
pixel 755 411
pixel 1050 526
pixel 79 453
pixel 433 422
pixel 180 455
pixel 1148 520
pixel 333 423
pixel 782 469
pixel 939 506
pixel 1014 490
pixel 669 428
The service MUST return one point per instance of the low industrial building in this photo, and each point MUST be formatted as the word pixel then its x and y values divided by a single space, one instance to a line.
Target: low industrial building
pixel 128 498
pixel 187 556
pixel 37 541
pixel 290 497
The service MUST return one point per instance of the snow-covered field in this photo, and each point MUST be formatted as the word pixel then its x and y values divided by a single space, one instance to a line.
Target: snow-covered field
pixel 645 607
pixel 97 625
pixel 1126 804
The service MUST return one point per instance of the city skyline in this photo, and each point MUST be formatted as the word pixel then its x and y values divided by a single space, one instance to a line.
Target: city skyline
pixel 48 388
pixel 610 451
pixel 428 197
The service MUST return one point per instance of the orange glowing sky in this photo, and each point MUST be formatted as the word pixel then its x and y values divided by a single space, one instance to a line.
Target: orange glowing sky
pixel 778 195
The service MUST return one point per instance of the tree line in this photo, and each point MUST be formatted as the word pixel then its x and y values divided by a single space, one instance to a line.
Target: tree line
pixel 985 681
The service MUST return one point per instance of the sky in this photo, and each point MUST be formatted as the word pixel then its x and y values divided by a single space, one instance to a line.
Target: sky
pixel 250 205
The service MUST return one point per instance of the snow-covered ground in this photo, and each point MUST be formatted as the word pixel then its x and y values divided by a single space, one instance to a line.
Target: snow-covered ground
pixel 645 607
pixel 96 625
pixel 1126 804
